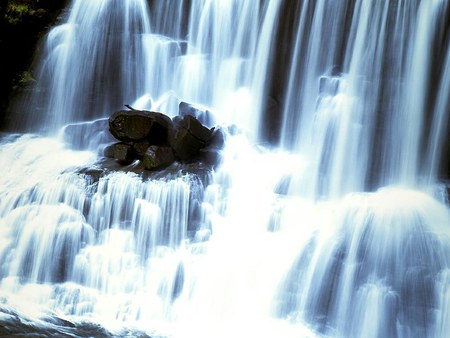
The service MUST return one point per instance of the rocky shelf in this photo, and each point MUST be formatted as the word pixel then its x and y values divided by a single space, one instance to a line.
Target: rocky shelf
pixel 156 141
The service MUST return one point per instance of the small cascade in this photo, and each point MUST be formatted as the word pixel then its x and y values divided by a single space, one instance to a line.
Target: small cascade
pixel 108 54
pixel 95 246
pixel 382 52
pixel 90 64
pixel 370 268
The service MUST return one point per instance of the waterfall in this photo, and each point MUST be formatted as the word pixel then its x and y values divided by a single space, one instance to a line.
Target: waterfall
pixel 106 55
pixel 90 63
pixel 358 101
pixel 327 217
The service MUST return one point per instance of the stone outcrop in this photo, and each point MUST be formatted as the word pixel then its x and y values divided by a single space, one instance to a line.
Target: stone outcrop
pixel 188 137
pixel 140 126
pixel 123 152
pixel 204 116
pixel 157 141
pixel 157 157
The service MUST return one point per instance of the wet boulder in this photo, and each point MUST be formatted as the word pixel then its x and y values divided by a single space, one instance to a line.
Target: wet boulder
pixel 139 126
pixel 140 148
pixel 157 141
pixel 122 152
pixel 217 140
pixel 196 128
pixel 185 145
pixel 204 116
pixel 212 153
pixel 188 137
pixel 108 151
pixel 158 157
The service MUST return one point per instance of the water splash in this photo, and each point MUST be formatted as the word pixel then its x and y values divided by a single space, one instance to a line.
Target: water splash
pixel 370 269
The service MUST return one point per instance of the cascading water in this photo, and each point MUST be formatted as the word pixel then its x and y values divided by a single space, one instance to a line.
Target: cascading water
pixel 368 113
pixel 343 230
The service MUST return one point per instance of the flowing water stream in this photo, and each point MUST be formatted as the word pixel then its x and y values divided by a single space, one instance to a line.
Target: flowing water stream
pixel 338 228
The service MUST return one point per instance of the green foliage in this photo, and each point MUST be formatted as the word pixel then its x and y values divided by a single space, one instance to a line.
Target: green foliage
pixel 25 78
pixel 18 11
pixel 15 12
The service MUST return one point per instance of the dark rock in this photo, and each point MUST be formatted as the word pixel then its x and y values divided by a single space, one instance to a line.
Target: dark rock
pixel 123 153
pixel 176 120
pixel 212 153
pixel 185 145
pixel 92 175
pixel 157 157
pixel 217 139
pixel 108 151
pixel 196 128
pixel 140 148
pixel 158 141
pixel 140 125
pixel 57 321
pixel 211 157
pixel 188 137
pixel 160 130
pixel 129 107
pixel 204 116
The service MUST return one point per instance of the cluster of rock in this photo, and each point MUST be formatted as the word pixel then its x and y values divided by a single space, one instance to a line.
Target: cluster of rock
pixel 157 140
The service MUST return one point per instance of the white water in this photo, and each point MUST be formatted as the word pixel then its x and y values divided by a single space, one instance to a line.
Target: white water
pixel 284 242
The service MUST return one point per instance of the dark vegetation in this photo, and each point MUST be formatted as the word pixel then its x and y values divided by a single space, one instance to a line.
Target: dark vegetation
pixel 22 24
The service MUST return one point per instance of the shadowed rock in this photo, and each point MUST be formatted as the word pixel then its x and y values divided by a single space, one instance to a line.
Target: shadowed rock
pixel 157 157
pixel 140 125
pixel 140 148
pixel 189 137
pixel 123 153
pixel 202 115
pixel 158 141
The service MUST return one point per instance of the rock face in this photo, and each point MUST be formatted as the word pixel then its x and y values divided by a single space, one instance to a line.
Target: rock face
pixel 204 116
pixel 157 140
pixel 140 125
pixel 158 157
pixel 123 153
pixel 188 137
